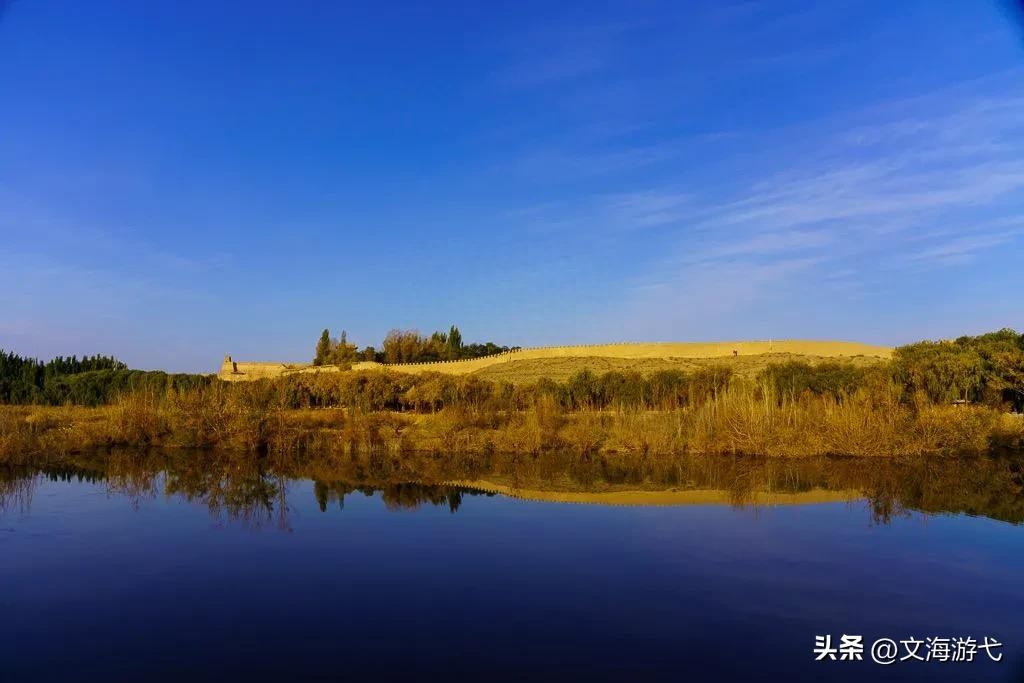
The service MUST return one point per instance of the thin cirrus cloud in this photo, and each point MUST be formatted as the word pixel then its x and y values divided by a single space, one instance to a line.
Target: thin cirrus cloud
pixel 918 173
pixel 960 250
pixel 935 188
pixel 900 180
pixel 902 167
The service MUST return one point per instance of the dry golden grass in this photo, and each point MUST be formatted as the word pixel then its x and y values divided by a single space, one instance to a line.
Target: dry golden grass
pixel 746 418
pixel 37 432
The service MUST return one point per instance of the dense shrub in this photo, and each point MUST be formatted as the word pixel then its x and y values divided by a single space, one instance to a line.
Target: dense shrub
pixel 796 377
pixel 985 369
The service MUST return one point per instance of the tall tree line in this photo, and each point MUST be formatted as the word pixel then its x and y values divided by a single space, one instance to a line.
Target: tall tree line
pixel 403 346
pixel 89 381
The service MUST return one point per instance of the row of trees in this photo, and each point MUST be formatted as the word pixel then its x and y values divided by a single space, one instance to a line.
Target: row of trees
pixel 402 346
pixel 22 379
pixel 330 351
pixel 88 381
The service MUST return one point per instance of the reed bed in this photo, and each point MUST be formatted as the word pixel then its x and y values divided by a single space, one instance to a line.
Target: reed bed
pixel 743 418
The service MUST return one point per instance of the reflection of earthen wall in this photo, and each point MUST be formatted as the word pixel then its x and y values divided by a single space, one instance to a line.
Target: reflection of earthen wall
pixel 247 371
pixel 667 497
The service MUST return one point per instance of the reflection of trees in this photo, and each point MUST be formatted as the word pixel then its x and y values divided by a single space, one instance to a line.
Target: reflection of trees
pixel 240 488
pixel 74 473
pixel 254 489
pixel 988 487
pixel 411 496
pixel 985 486
pixel 133 475
pixel 395 496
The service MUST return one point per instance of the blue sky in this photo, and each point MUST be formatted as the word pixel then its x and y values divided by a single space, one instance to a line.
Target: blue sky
pixel 181 180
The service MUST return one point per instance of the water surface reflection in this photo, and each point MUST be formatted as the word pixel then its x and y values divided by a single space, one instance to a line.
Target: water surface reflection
pixel 194 566
pixel 255 490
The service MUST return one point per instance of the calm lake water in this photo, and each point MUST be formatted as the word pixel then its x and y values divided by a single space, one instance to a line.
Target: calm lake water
pixel 197 567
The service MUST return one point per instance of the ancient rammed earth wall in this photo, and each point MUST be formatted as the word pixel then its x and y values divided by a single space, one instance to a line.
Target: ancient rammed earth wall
pixel 243 370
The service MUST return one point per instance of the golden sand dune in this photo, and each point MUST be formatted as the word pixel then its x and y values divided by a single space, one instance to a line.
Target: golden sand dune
pixel 243 370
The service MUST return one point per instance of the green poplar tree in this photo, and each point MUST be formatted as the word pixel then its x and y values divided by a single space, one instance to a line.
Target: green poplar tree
pixel 323 348
pixel 454 343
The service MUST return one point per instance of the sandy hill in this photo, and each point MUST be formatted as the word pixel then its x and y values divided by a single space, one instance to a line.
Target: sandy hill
pixel 558 362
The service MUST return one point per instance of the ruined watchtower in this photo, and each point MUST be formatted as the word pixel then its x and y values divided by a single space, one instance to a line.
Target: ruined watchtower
pixel 228 367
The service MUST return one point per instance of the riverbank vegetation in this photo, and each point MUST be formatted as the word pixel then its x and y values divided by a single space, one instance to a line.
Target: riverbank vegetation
pixel 932 398
pixel 711 417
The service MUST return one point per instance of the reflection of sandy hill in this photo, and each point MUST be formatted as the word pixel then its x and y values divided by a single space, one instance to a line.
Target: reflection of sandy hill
pixel 663 498
pixel 243 370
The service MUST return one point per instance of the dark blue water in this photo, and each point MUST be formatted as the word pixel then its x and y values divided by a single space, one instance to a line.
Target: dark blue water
pixel 100 585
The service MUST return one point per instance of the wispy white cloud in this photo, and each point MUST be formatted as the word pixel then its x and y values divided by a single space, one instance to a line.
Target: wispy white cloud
pixel 765 245
pixel 920 173
pixel 887 188
pixel 839 206
pixel 960 250
pixel 937 186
